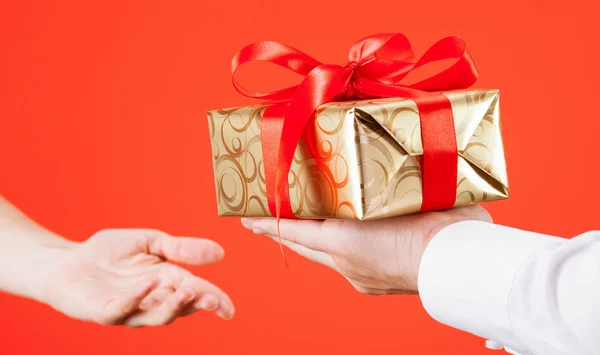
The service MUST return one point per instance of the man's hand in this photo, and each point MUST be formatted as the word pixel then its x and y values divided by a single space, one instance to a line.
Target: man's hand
pixel 126 277
pixel 377 257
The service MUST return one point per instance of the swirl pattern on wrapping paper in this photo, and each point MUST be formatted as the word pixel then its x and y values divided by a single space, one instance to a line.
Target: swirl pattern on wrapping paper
pixel 322 170
pixel 358 159
pixel 318 179
pixel 237 161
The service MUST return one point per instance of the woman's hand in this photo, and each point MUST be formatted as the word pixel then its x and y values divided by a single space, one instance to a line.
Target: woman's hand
pixel 128 277
pixel 377 257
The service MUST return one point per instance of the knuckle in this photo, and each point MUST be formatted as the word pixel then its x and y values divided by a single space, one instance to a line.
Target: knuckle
pixel 180 249
pixel 270 227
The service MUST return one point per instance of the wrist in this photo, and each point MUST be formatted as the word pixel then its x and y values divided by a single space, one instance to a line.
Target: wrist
pixel 431 229
pixel 36 264
pixel 28 253
pixel 446 219
pixel 51 258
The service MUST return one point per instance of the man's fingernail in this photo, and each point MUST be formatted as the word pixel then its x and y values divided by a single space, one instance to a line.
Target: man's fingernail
pixel 258 231
pixel 247 223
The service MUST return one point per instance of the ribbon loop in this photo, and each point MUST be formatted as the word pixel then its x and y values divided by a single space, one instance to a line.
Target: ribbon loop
pixel 461 75
pixel 276 53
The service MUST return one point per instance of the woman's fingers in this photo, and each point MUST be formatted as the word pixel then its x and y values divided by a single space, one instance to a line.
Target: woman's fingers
pixel 166 313
pixel 205 303
pixel 156 298
pixel 119 308
pixel 312 255
pixel 187 250
pixel 307 233
pixel 202 302
pixel 208 296
pixel 224 307
pixel 208 302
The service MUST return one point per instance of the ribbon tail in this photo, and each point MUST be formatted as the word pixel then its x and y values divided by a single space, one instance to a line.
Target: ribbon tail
pixel 321 85
pixel 280 243
pixel 271 127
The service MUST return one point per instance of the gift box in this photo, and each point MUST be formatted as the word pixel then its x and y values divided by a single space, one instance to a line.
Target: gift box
pixel 372 150
pixel 360 157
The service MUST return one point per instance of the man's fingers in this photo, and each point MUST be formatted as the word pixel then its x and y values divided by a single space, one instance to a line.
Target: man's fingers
pixel 188 250
pixel 171 308
pixel 121 307
pixel 312 255
pixel 307 233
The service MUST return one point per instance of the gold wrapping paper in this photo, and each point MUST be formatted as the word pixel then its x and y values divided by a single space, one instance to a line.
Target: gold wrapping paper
pixel 371 150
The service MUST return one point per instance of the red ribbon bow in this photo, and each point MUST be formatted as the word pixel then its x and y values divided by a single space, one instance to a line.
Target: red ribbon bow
pixel 376 65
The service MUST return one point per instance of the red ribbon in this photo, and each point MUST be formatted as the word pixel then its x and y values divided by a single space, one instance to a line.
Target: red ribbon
pixel 376 65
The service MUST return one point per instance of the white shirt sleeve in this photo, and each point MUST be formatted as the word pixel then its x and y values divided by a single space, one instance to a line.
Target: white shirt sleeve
pixel 531 293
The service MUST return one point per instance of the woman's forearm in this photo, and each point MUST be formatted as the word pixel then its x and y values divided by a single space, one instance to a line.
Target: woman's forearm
pixel 29 248
pixel 116 277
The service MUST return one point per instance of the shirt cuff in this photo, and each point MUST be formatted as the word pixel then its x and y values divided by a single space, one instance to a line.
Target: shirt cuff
pixel 467 272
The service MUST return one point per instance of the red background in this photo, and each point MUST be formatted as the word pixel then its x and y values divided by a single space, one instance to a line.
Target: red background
pixel 102 125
